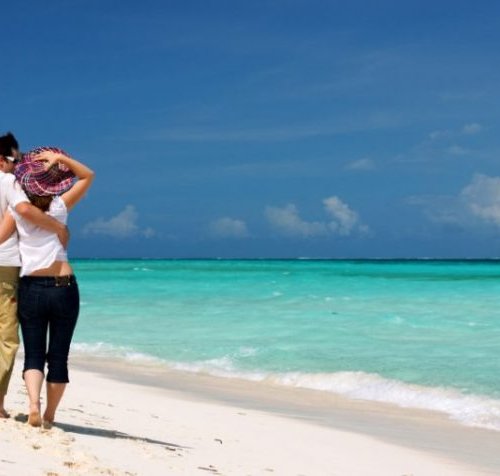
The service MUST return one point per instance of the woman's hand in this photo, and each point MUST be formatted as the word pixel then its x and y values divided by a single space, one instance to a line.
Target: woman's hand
pixel 49 157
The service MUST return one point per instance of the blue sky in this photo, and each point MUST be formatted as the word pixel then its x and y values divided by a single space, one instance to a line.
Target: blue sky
pixel 266 128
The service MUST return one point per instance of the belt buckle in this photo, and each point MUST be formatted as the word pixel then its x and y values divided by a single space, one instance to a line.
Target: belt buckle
pixel 62 281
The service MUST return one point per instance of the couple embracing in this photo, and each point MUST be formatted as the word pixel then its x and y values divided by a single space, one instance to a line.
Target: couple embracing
pixel 38 289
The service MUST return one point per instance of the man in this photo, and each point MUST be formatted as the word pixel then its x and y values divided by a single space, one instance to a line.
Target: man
pixel 12 195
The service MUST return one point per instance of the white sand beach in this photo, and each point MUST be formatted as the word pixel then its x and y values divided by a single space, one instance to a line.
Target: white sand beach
pixel 191 424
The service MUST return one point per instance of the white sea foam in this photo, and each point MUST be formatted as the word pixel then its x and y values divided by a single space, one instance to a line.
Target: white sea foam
pixel 471 410
pixel 102 349
pixel 223 367
pixel 247 351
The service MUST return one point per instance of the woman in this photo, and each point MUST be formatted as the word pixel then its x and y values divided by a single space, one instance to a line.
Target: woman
pixel 48 291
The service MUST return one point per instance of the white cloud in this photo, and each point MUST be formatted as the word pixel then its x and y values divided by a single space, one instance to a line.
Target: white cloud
pixel 482 198
pixel 472 128
pixel 439 134
pixel 477 203
pixel 228 228
pixel 445 209
pixel 457 150
pixel 361 164
pixel 468 129
pixel 375 121
pixel 287 221
pixel 444 144
pixel 123 225
pixel 148 232
pixel 343 220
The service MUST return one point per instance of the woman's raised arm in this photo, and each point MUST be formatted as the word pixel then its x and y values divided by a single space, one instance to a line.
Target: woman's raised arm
pixel 83 173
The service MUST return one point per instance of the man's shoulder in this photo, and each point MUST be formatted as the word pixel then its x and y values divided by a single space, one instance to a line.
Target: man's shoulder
pixel 7 182
pixel 11 190
pixel 7 177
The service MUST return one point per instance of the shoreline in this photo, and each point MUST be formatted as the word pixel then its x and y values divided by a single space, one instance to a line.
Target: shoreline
pixel 429 431
pixel 119 420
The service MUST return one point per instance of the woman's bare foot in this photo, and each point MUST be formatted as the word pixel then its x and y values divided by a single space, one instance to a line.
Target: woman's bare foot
pixel 34 418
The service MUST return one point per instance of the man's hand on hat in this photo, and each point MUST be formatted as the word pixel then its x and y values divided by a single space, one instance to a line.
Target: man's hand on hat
pixel 63 235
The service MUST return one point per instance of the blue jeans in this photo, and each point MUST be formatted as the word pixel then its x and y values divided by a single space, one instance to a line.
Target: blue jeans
pixel 48 304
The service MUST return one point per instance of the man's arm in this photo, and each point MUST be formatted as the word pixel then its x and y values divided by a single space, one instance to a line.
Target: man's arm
pixel 35 215
pixel 18 200
pixel 7 227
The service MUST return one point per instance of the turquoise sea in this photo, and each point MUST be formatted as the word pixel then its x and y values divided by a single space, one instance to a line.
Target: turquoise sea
pixel 421 334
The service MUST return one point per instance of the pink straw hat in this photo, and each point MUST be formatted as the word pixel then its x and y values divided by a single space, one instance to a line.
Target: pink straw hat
pixel 35 180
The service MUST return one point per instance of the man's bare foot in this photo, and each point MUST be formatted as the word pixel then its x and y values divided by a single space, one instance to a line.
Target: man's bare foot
pixel 3 413
pixel 47 425
pixel 48 421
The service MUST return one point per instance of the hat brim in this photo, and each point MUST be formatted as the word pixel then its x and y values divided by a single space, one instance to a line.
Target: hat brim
pixel 36 180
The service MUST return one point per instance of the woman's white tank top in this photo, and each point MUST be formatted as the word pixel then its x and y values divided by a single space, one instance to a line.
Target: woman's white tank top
pixel 39 248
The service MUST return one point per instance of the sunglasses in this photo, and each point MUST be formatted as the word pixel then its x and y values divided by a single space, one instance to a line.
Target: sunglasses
pixel 12 159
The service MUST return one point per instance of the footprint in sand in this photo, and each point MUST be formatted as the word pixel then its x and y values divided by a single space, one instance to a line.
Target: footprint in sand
pixel 210 468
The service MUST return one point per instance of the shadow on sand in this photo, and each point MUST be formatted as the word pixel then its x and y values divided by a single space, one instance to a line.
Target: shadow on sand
pixel 85 430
